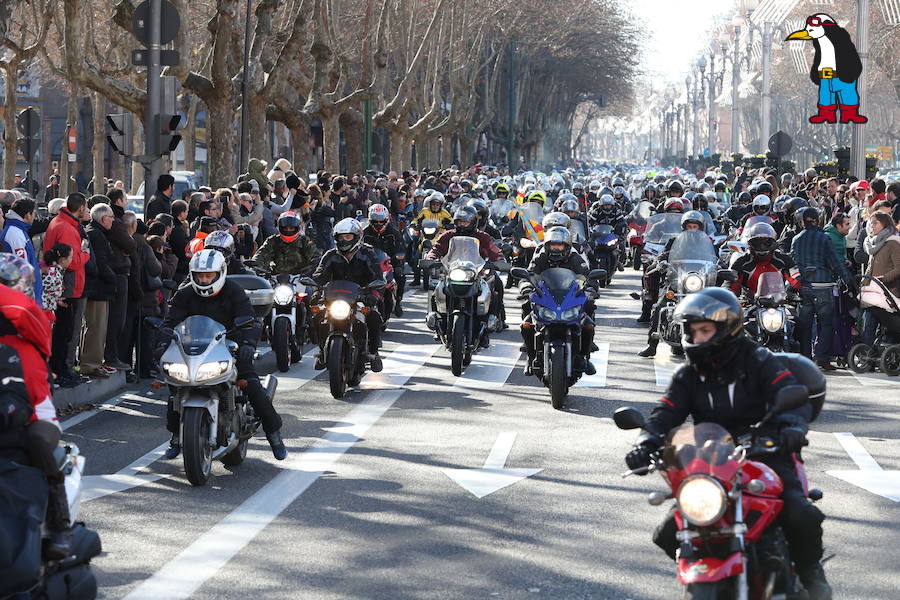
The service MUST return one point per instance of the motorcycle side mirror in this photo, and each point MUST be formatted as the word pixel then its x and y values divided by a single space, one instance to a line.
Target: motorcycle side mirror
pixel 628 417
pixel 309 282
pixel 376 285
pixel 520 273
pixel 729 275
pixel 597 274
pixel 153 322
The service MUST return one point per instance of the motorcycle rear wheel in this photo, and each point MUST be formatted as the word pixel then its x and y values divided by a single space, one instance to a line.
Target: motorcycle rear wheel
pixel 281 343
pixel 559 379
pixel 636 259
pixel 337 377
pixel 458 347
pixel 195 445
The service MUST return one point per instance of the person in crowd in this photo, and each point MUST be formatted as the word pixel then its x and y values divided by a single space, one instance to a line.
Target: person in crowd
pixel 99 289
pixel 179 239
pixel 122 246
pixel 56 260
pixel 161 201
pixel 15 237
pixel 52 189
pixel 882 248
pixel 322 217
pixel 837 230
pixel 145 284
pixel 206 225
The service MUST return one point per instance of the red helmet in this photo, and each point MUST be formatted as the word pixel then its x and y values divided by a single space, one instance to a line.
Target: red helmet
pixel 673 205
pixel 289 226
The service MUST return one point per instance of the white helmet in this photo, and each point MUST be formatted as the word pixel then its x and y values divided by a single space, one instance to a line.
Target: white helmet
pixel 761 204
pixel 208 261
pixel 348 225
pixel 556 219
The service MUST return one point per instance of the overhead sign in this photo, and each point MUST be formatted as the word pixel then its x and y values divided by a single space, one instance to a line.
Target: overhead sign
pixel 780 144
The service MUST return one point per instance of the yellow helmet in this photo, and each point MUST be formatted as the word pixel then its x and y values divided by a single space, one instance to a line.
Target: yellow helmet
pixel 537 196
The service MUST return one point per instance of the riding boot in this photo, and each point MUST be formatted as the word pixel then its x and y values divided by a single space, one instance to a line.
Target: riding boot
pixel 827 114
pixel 650 350
pixel 850 114
pixel 813 579
pixel 646 309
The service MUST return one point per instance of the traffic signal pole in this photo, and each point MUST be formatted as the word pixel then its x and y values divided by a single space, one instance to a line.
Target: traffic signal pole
pixel 152 160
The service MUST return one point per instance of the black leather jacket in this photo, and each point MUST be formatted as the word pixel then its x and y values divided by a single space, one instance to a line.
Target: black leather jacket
pixel 229 304
pixel 362 268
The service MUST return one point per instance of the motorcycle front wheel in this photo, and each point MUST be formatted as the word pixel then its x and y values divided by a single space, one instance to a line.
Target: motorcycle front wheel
pixel 281 343
pixel 559 379
pixel 337 376
pixel 195 445
pixel 707 590
pixel 458 346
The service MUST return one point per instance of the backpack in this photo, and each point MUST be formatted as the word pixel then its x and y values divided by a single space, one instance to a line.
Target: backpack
pixel 15 406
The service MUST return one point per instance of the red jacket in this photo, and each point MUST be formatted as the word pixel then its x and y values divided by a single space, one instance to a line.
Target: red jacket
pixel 65 228
pixel 33 345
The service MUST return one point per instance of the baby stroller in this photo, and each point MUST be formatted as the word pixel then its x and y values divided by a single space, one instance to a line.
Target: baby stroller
pixel 885 352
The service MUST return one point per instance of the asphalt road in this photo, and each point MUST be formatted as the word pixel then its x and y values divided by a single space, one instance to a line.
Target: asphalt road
pixel 369 503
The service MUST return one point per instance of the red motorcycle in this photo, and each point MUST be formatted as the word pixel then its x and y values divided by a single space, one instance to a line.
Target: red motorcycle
pixel 637 226
pixel 730 545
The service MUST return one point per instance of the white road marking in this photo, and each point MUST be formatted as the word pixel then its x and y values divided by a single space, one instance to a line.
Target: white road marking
pixel 875 380
pixel 185 573
pixel 870 476
pixel 399 366
pixel 492 476
pixel 97 486
pixel 298 375
pixel 491 367
pixel 111 404
pixel 663 365
pixel 600 360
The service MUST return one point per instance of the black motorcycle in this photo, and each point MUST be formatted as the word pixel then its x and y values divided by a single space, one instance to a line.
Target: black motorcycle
pixel 770 319
pixel 347 341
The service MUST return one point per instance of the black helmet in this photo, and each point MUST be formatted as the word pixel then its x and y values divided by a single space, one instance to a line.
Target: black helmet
pixel 556 236
pixel 719 186
pixel 481 209
pixel 675 188
pixel 618 182
pixel 793 205
pixel 745 198
pixel 761 239
pixel 764 187
pixel 720 307
pixel 807 218
pixel 289 226
pixel 466 220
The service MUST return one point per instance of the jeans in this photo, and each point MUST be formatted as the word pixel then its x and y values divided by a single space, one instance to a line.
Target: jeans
pixel 834 91
pixel 817 304
pixel 870 327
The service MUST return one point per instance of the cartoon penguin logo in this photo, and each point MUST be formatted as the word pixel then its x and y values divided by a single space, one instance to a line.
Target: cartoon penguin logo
pixel 835 69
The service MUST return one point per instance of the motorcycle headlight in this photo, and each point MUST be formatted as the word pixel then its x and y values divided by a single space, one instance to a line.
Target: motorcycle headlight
pixel 177 371
pixel 211 370
pixel 339 309
pixel 612 242
pixel 547 314
pixel 462 275
pixel 284 294
pixel 693 283
pixel 429 230
pixel 772 319
pixel 568 315
pixel 702 500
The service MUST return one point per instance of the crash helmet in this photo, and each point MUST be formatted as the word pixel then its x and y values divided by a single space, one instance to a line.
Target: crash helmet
pixel 595 185
pixel 454 190
pixel 467 185
pixel 577 187
pixel 807 218
pixel 348 226
pixel 618 182
pixel 436 202
pixel 569 205
pixel 289 226
pixel 710 196
pixel 420 193
pixel 702 186
pixel 659 178
pixel 744 198
pixel 618 192
pixel 208 225
pixel 701 202
pixel 650 192
pixel 764 187
pixel 761 239
pixel 208 261
pixel 466 220
pixel 221 241
pixel 481 209
pixel 709 178
pixel 721 308
pixel 761 204
pixel 674 188
pixel 556 219
pixel 692 216
pixel 558 244
pixel 537 196
pixel 792 206
pixel 17 274
pixel 379 216
pixel 673 205
pixel 719 186
pixel 501 191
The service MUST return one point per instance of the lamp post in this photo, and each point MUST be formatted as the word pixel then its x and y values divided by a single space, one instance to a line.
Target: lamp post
pixel 768 31
pixel 858 135
pixel 737 22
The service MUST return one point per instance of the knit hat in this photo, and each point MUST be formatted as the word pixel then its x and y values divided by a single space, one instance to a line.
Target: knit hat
pixel 292 181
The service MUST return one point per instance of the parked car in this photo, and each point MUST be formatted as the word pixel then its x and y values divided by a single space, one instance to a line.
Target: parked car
pixel 184 180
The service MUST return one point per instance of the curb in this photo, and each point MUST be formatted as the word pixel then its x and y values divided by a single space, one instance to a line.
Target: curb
pixel 91 392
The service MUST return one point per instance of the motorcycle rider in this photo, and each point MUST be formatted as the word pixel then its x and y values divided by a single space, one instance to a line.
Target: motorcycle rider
pixel 763 257
pixel 761 207
pixel 380 234
pixel 556 252
pixel 223 242
pixel 209 293
pixel 466 224
pixel 519 229
pixel 674 189
pixel 288 251
pixel 740 208
pixel 434 209
pixel 652 278
pixel 691 221
pixel 580 196
pixel 791 226
pixel 351 260
pixel 731 380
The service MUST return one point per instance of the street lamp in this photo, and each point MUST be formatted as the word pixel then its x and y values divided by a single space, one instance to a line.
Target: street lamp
pixel 768 31
pixel 736 24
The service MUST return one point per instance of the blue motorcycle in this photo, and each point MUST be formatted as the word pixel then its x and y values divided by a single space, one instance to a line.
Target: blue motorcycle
pixel 558 315
pixel 605 246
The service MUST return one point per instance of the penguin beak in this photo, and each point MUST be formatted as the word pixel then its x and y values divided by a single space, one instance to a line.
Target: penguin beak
pixel 799 35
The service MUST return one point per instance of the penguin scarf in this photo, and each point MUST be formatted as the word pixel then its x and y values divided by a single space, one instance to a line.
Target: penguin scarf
pixel 836 69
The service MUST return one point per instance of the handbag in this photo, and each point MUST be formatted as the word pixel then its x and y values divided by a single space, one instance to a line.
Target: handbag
pixel 874 295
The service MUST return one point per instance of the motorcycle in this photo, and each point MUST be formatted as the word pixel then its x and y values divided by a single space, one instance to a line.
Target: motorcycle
pixel 388 300
pixel 580 239
pixel 692 266
pixel 347 341
pixel 557 306
pixel 217 419
pixel 460 301
pixel 727 505
pixel 605 251
pixel 531 217
pixel 430 230
pixel 637 226
pixel 26 572
pixel 770 320
pixel 289 325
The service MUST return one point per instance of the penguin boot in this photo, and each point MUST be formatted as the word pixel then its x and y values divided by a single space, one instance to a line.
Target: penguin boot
pixel 827 114
pixel 850 114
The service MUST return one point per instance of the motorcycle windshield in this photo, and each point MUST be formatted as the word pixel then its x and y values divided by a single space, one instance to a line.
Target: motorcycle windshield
pixel 643 210
pixel 196 333
pixel 663 227
pixel 602 231
pixel 558 282
pixel 702 448
pixel 579 233
pixel 463 254
pixel 692 247
pixel 771 285
pixel 341 290
pixel 534 214
pixel 753 221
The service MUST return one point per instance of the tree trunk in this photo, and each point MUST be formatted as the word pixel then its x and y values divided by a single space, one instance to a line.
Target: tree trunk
pixel 71 118
pixel 466 150
pixel 10 151
pixel 99 143
pixel 352 124
pixel 190 135
pixel 302 157
pixel 259 148
pixel 137 148
pixel 397 144
pixel 221 144
pixel 432 153
pixel 406 163
pixel 331 142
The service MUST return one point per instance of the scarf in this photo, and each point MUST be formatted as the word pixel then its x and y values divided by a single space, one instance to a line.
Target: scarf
pixel 873 243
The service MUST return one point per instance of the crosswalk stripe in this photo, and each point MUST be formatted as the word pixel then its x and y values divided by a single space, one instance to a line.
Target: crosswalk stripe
pixel 399 366
pixel 491 367
pixel 663 365
pixel 600 360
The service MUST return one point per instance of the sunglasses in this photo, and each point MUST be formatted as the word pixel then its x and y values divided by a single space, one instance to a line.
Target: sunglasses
pixel 817 22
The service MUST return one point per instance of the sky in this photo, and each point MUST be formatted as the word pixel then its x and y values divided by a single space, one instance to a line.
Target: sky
pixel 674 37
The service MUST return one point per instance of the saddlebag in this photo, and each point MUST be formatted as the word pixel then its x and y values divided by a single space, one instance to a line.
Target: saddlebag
pixel 23 503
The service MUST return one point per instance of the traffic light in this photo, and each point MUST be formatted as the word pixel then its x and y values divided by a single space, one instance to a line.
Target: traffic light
pixel 122 130
pixel 168 139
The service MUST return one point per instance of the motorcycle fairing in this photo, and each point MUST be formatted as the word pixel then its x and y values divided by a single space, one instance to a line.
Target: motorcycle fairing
pixel 709 569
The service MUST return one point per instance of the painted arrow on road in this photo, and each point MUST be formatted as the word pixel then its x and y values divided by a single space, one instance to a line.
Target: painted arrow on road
pixel 870 476
pixel 493 475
